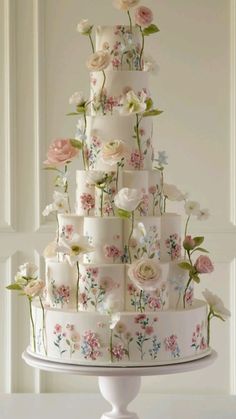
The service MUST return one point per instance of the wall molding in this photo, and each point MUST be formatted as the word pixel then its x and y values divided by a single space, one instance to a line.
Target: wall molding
pixel 233 112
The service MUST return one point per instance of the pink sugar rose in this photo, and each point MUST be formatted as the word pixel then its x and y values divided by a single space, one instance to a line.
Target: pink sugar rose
pixel 204 265
pixel 143 16
pixel 189 243
pixel 60 152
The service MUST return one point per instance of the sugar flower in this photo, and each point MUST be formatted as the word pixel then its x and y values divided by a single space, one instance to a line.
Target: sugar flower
pixel 60 152
pixel 143 16
pixel 204 265
pixel 99 61
pixel 145 274
pixel 60 204
pixel 131 103
pixel 216 304
pixel 34 288
pixel 28 270
pixel 192 208
pixel 77 99
pixel 203 214
pixel 73 249
pixel 172 193
pixel 50 250
pixel 125 4
pixel 128 199
pixel 113 151
pixel 84 27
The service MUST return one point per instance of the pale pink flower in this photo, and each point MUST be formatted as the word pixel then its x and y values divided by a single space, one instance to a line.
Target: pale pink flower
pixel 149 330
pixel 143 16
pixel 60 152
pixel 204 265
pixel 57 328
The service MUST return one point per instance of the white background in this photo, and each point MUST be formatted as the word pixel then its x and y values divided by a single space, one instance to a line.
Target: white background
pixel 42 61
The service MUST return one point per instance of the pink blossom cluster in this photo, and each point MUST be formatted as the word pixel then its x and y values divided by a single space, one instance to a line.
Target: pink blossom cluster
pixel 118 351
pixel 136 159
pixel 112 251
pixel 171 343
pixel 63 292
pixel 87 202
pixel 154 303
pixel 92 345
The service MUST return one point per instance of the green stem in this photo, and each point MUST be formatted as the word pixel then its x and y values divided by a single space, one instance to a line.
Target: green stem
pixel 101 202
pixel 85 163
pixel 117 176
pixel 209 317
pixel 140 301
pixel 32 324
pixel 111 344
pixel 138 138
pixel 91 41
pixel 164 209
pixel 77 287
pixel 185 291
pixel 161 193
pixel 186 226
pixel 44 327
pixel 130 236
pixel 130 21
pixel 142 49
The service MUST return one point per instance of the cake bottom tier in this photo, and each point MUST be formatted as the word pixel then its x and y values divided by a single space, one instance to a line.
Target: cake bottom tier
pixel 127 339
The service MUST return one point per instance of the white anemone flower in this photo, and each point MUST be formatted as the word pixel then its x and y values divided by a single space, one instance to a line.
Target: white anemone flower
pixel 131 103
pixel 216 305
pixel 60 204
pixel 73 249
pixel 192 208
pixel 203 214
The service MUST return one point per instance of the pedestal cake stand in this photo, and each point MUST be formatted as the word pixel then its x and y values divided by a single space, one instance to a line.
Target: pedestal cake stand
pixel 119 385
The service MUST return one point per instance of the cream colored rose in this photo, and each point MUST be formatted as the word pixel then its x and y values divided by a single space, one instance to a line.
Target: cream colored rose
pixel 34 288
pixel 84 27
pixel 125 4
pixel 50 250
pixel 99 61
pixel 113 151
pixel 145 274
pixel 128 199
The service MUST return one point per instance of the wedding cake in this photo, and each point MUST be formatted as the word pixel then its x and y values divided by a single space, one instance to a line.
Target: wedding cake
pixel 119 275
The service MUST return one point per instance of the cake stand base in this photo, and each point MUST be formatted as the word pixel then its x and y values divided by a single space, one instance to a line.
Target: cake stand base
pixel 119 385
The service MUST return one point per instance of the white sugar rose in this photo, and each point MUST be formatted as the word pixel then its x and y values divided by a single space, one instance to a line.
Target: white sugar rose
pixel 125 4
pixel 84 27
pixel 173 193
pixel 34 288
pixel 113 151
pixel 99 61
pixel 145 274
pixel 128 199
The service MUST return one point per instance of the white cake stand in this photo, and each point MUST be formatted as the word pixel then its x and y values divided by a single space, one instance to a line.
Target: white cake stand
pixel 119 385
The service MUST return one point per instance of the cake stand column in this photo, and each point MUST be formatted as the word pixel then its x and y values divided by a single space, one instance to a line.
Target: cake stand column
pixel 119 392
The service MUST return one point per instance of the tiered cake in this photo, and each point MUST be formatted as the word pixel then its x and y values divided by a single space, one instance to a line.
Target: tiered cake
pixel 119 286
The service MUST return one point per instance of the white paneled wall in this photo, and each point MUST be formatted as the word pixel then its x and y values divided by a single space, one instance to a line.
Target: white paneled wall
pixel 41 63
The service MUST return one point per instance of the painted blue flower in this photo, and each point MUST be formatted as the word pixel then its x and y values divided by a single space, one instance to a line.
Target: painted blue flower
pixel 162 158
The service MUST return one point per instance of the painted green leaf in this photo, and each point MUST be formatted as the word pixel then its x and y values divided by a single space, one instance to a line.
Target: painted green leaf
pixel 150 30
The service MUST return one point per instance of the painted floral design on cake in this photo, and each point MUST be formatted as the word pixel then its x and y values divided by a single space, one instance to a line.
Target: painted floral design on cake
pixel 121 341
pixel 146 334
pixel 125 52
pixel 154 201
pixel 171 345
pixel 145 242
pixel 87 202
pixel 113 253
pixel 67 231
pixel 90 345
pixel 67 340
pixel 173 245
pixel 93 150
pixel 93 290
pixel 199 342
pixel 143 301
pixel 60 295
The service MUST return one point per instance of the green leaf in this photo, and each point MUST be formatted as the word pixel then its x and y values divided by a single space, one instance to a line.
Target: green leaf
pixel 14 287
pixel 68 342
pixel 201 249
pixel 76 144
pixel 149 104
pixel 185 265
pixel 80 109
pixel 152 112
pixel 150 30
pixel 72 114
pixel 198 240
pixel 196 279
pixel 51 168
pixel 123 214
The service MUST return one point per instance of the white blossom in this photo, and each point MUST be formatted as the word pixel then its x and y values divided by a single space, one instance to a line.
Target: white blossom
pixel 192 208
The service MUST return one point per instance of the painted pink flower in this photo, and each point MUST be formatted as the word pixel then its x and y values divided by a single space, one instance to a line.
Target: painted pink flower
pixel 69 229
pixel 171 343
pixel 176 252
pixel 152 189
pixel 204 265
pixel 140 317
pixel 136 160
pixel 57 328
pixel 189 296
pixel 198 329
pixel 87 202
pixel 149 330
pixel 203 344
pixel 154 303
pixel 112 251
pixel 60 152
pixel 118 351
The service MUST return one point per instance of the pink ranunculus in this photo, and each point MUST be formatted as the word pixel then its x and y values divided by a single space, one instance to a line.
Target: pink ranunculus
pixel 60 152
pixel 143 16
pixel 189 243
pixel 204 265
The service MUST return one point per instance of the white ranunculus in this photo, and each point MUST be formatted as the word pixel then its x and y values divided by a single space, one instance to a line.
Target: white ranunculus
pixel 192 208
pixel 84 27
pixel 173 193
pixel 77 99
pixel 216 304
pixel 99 61
pixel 145 274
pixel 73 249
pixel 125 4
pixel 28 270
pixel 113 151
pixel 131 103
pixel 34 288
pixel 203 214
pixel 128 199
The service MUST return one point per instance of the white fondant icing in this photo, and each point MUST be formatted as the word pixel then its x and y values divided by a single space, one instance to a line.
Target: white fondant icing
pixel 70 224
pixel 178 279
pixel 85 194
pixel 170 237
